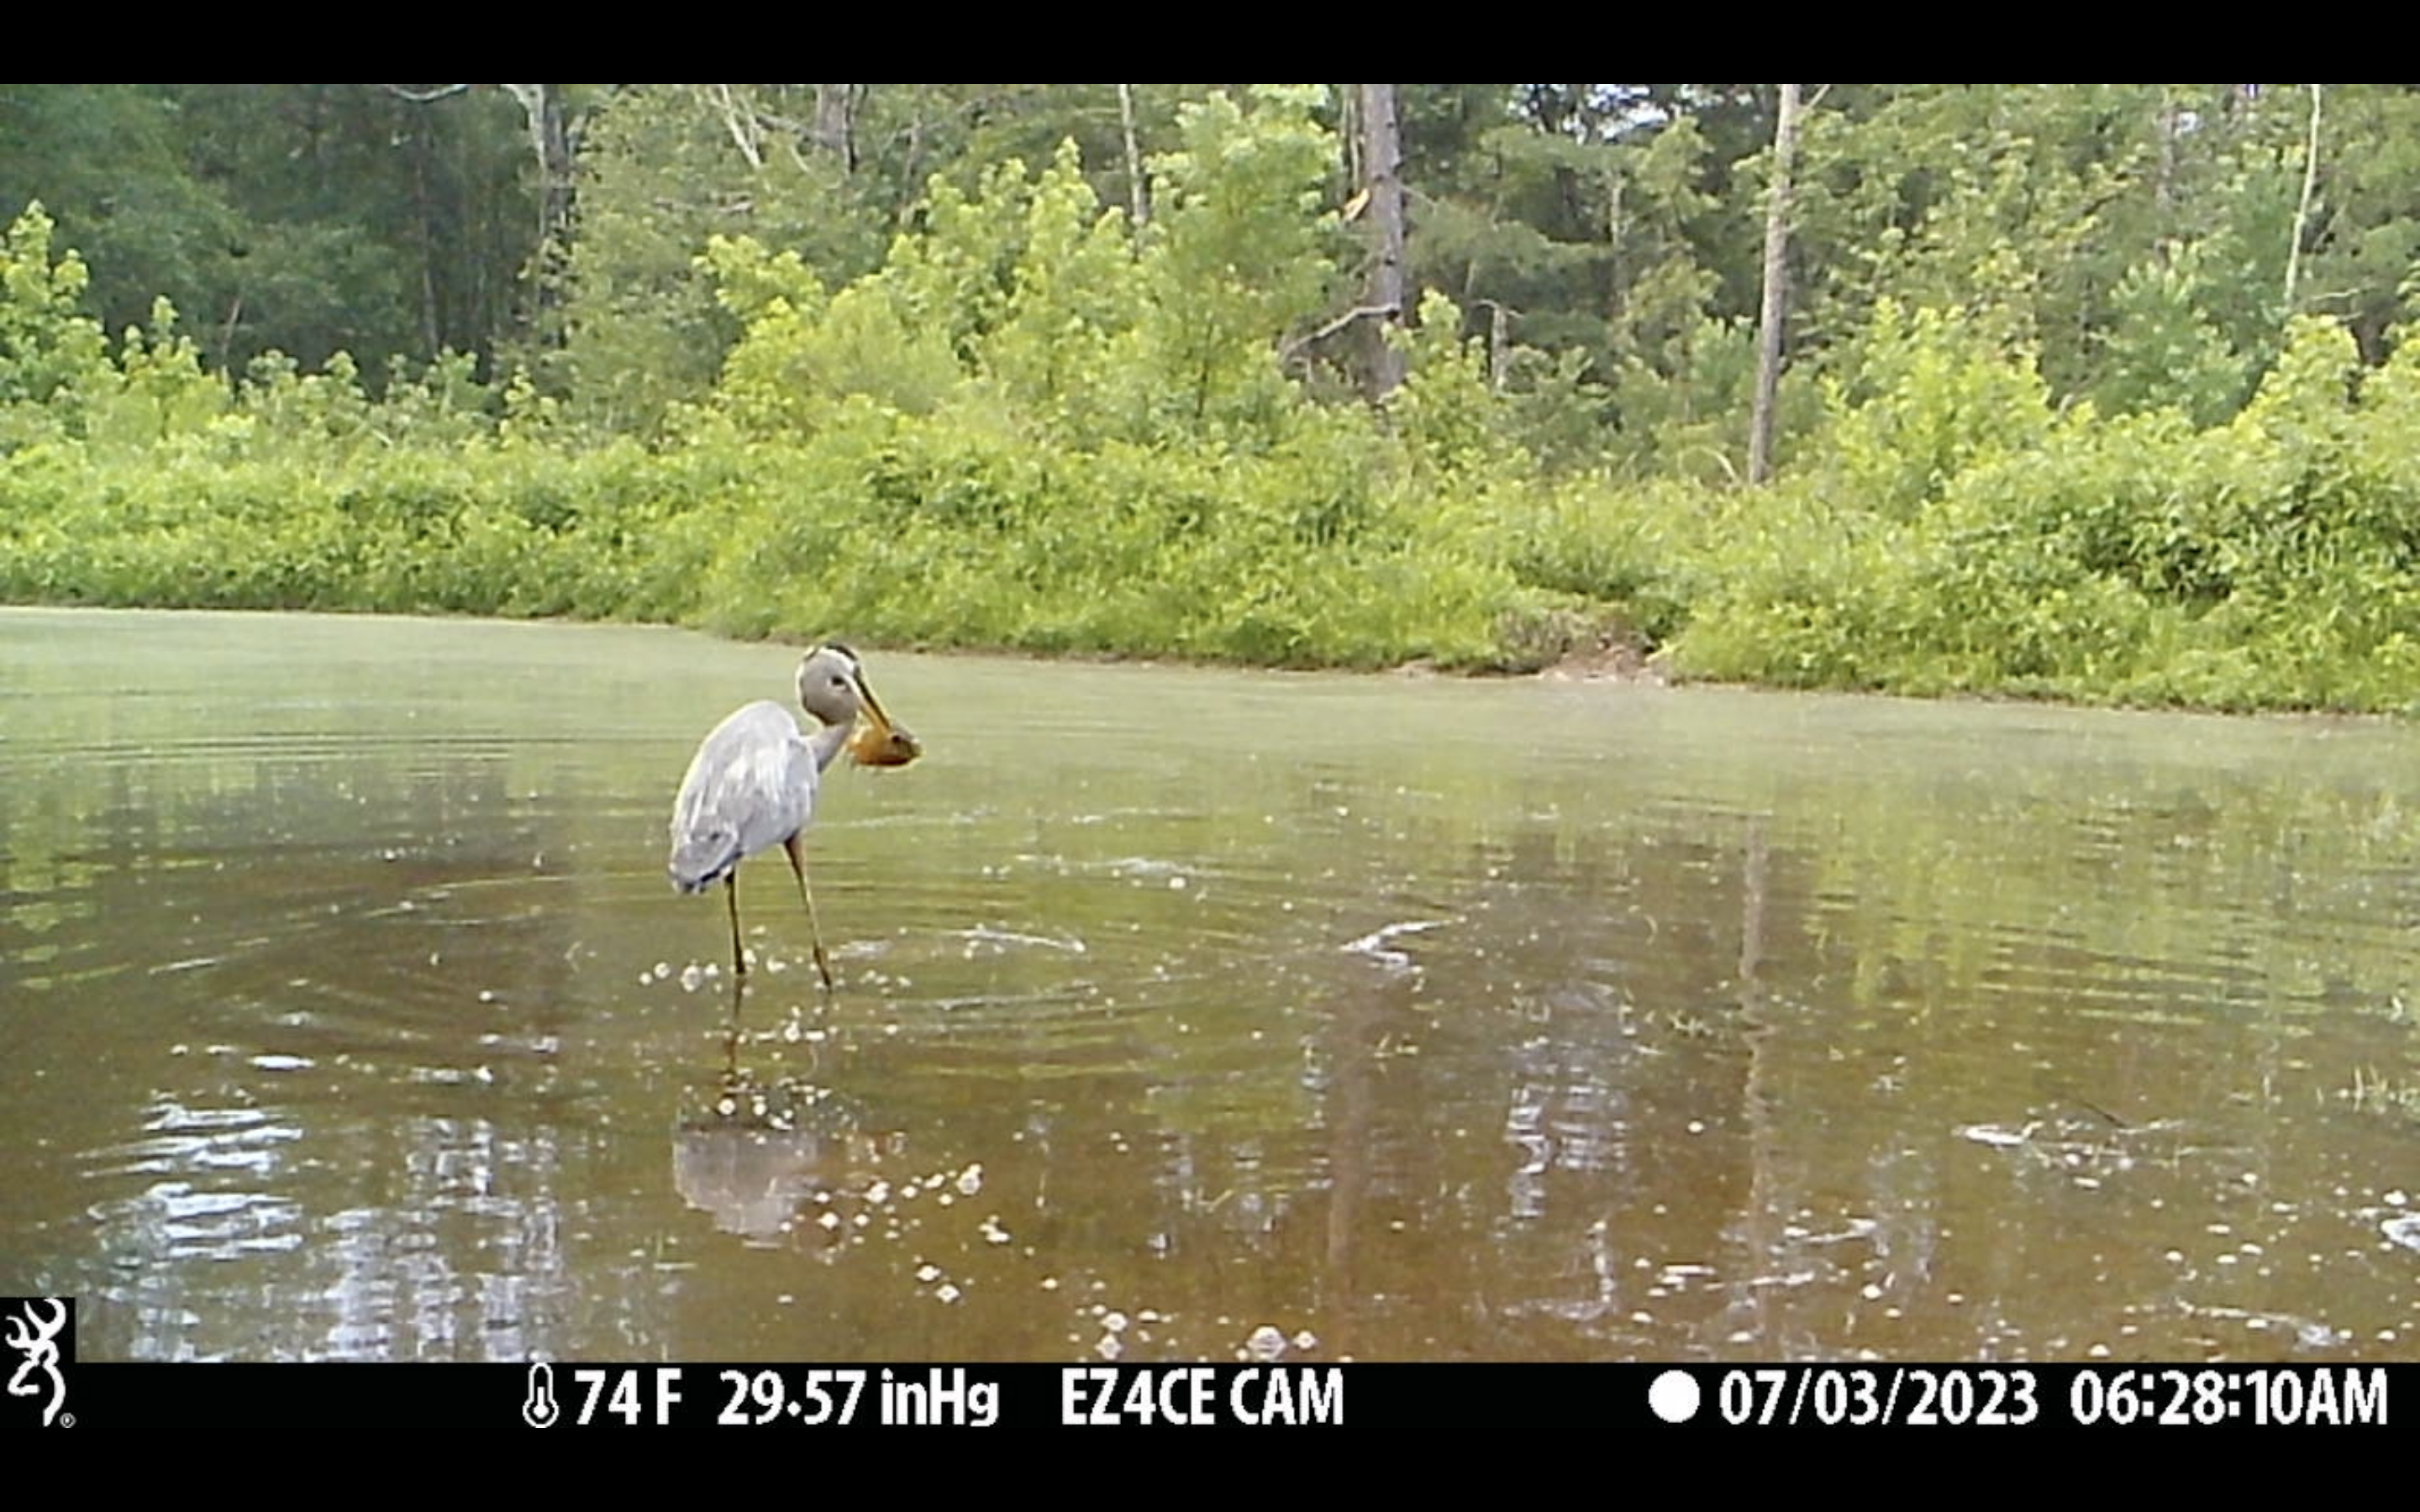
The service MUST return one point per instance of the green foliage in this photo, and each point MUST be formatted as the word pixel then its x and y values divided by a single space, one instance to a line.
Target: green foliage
pixel 1063 350
pixel 1445 410
pixel 1918 398
pixel 1690 419
pixel 829 358
pixel 2273 560
pixel 302 218
pixel 1032 428
pixel 51 354
pixel 1029 427
pixel 2162 348
pixel 661 177
pixel 1240 248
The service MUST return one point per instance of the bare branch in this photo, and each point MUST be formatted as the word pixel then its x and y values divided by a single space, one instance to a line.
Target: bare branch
pixel 741 135
pixel 1288 350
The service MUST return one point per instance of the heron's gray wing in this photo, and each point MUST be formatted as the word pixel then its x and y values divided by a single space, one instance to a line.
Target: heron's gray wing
pixel 751 784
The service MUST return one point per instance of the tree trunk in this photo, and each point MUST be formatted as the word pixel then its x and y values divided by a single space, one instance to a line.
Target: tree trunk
pixel 1499 344
pixel 1382 167
pixel 2169 123
pixel 836 128
pixel 2303 209
pixel 551 141
pixel 424 216
pixel 1138 196
pixel 1777 290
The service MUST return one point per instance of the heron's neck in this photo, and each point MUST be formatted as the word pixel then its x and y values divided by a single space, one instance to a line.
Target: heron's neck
pixel 827 743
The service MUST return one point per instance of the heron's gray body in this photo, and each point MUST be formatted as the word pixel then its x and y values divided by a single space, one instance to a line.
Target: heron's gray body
pixel 751 786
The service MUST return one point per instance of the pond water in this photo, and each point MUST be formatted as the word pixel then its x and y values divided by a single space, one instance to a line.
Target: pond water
pixel 348 1013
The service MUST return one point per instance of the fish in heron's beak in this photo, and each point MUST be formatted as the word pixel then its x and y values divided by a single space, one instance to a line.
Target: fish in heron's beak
pixel 875 741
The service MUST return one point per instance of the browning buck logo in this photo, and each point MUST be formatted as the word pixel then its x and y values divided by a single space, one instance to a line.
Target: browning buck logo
pixel 34 1326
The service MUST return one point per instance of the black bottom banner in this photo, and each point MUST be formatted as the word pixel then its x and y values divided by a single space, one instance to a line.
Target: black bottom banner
pixel 571 1398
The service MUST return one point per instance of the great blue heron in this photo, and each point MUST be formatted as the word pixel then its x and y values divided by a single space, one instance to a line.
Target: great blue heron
pixel 752 782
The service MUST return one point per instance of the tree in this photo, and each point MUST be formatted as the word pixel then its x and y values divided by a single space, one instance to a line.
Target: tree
pixel 551 145
pixel 1382 181
pixel 1777 288
pixel 310 219
pixel 664 170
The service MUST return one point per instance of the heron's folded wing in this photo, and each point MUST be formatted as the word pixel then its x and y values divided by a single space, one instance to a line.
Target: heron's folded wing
pixel 751 785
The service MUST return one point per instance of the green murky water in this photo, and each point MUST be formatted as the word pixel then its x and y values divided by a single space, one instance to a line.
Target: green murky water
pixel 347 1012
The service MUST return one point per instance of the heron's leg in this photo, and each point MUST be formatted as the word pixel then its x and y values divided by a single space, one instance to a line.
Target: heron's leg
pixel 814 930
pixel 731 894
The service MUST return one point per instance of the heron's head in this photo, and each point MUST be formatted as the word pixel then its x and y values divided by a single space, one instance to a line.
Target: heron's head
pixel 832 687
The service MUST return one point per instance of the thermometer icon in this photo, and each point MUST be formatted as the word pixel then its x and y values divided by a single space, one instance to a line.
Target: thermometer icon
pixel 539 1411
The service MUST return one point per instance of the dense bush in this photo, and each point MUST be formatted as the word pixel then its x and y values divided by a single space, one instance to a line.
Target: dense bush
pixel 2270 561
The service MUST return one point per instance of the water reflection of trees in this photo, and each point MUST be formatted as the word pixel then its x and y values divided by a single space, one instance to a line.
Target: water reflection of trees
pixel 1707 988
pixel 285 903
pixel 1727 1058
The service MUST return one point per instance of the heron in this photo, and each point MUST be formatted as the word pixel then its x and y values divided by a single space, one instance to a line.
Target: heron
pixel 751 784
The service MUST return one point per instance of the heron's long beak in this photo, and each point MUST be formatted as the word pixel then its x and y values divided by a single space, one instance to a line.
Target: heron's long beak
pixel 877 740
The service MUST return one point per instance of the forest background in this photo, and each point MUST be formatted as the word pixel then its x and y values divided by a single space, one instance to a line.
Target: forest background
pixel 2096 393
